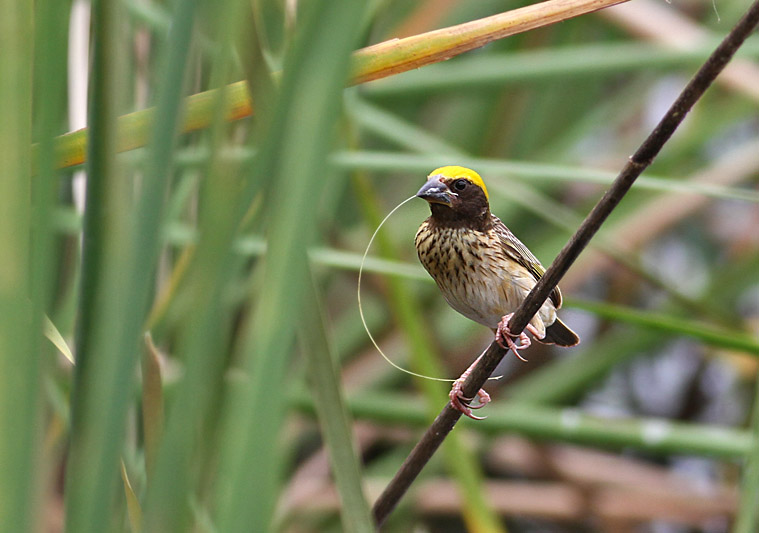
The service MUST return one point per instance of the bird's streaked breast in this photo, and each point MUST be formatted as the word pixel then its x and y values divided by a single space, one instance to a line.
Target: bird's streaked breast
pixel 475 276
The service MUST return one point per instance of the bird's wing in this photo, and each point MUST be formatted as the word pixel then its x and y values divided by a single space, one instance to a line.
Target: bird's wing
pixel 522 255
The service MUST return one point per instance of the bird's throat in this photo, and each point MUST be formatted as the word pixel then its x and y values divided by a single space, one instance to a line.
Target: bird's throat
pixel 461 217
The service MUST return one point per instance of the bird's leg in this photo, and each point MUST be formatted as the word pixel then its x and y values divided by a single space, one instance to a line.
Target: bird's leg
pixel 462 403
pixel 504 336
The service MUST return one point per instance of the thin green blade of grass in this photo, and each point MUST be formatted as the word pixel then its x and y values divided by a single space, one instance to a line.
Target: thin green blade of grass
pixel 272 21
pixel 49 64
pixel 660 436
pixel 55 337
pixel 385 161
pixel 169 110
pixel 388 126
pixel 158 19
pixel 20 379
pixel 293 158
pixel 182 235
pixel 334 420
pixel 666 323
pixel 120 251
pixel 351 261
pixel 653 435
pixel 151 208
pixel 402 162
pixel 47 113
pixel 96 430
pixel 603 111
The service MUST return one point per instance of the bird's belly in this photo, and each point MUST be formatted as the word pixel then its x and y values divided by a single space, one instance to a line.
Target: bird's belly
pixel 481 286
pixel 485 299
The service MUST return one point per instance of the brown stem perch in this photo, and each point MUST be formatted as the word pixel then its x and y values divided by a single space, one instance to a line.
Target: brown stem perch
pixel 642 158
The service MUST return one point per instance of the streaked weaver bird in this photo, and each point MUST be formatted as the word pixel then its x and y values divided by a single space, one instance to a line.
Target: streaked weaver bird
pixel 482 269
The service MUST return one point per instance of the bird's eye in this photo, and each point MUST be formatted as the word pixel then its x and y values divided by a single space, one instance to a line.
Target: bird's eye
pixel 460 185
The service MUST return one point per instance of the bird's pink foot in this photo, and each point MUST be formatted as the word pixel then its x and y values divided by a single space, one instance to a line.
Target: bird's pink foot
pixel 505 338
pixel 463 404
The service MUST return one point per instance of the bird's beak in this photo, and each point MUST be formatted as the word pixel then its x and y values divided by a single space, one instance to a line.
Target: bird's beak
pixel 435 192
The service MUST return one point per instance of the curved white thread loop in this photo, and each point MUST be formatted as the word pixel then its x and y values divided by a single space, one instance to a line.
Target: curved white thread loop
pixel 361 309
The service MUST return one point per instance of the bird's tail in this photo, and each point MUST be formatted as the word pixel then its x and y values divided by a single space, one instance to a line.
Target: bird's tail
pixel 559 333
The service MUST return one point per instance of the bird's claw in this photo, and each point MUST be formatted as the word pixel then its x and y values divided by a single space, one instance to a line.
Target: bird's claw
pixel 463 404
pixel 504 337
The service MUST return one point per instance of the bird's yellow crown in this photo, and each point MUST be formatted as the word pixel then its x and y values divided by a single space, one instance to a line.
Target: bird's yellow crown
pixel 455 172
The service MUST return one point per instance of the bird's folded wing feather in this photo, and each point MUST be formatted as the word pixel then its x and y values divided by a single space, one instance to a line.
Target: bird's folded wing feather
pixel 522 255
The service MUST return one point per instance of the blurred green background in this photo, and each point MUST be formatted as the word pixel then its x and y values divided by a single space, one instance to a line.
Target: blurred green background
pixel 257 402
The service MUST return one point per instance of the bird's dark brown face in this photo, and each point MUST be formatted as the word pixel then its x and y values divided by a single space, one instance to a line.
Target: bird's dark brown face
pixel 456 201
